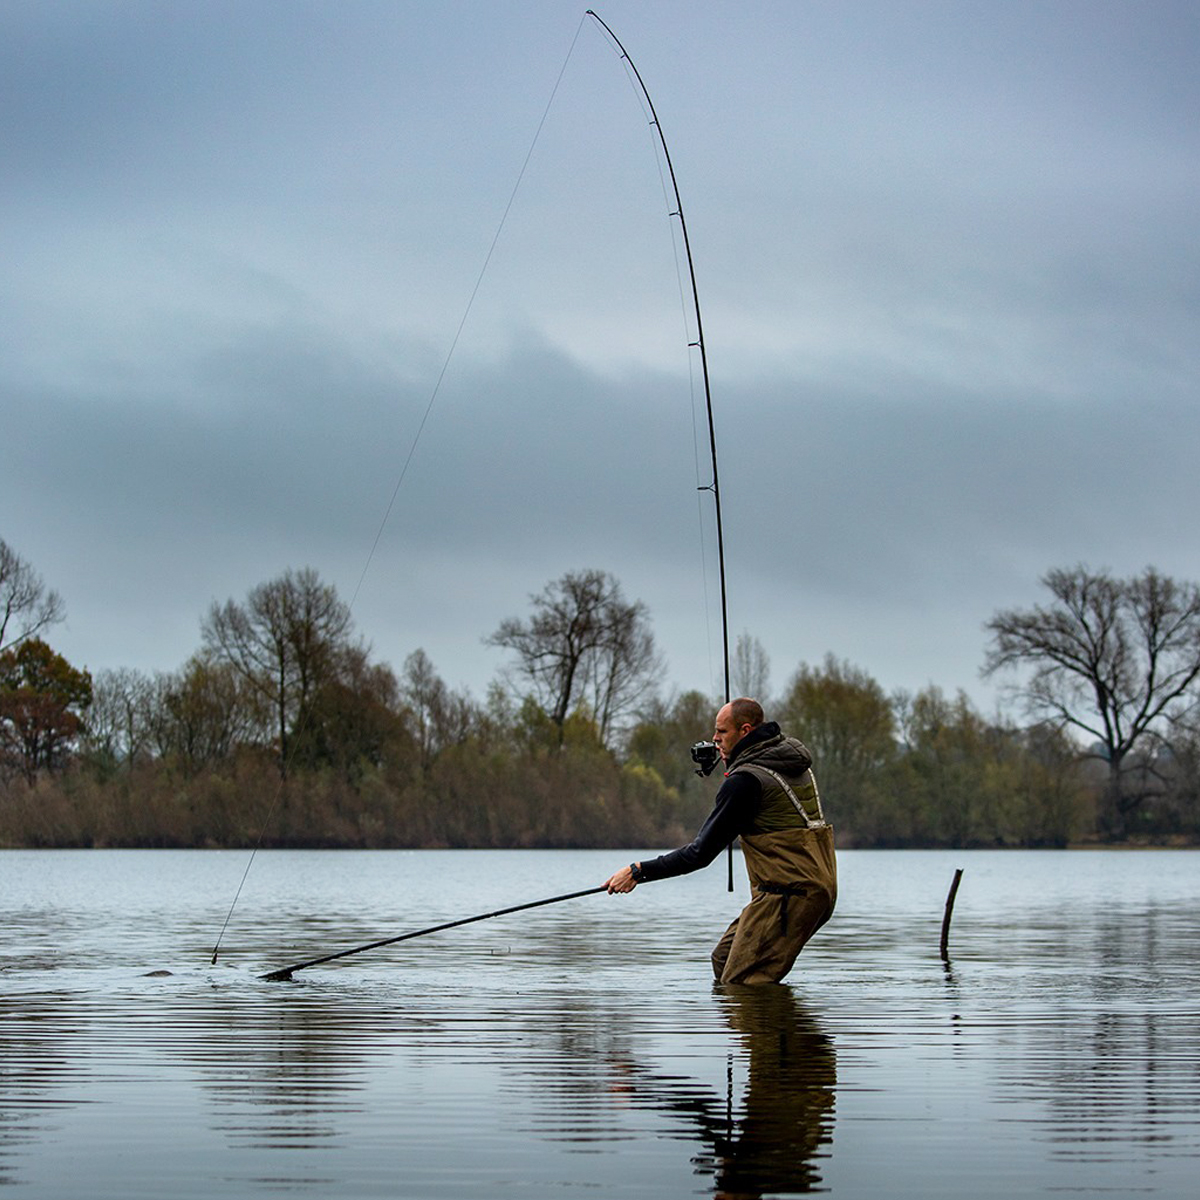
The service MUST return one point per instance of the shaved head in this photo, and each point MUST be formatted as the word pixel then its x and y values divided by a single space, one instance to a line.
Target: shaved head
pixel 734 720
pixel 746 711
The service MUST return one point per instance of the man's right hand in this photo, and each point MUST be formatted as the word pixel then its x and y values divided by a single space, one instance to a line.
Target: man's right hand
pixel 622 881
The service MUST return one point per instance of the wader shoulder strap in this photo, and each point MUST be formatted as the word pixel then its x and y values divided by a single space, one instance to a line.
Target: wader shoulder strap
pixel 812 822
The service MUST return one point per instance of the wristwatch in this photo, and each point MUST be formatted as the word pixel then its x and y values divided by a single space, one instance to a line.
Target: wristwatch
pixel 636 871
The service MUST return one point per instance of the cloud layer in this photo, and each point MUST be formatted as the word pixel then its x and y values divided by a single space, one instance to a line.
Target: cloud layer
pixel 947 255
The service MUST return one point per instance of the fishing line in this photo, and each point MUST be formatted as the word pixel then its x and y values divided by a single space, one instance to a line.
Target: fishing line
pixel 412 450
pixel 437 387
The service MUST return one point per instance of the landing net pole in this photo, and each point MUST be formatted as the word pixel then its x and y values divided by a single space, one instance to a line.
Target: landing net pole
pixel 285 973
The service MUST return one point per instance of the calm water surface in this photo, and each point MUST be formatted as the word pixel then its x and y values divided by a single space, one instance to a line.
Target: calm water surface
pixel 581 1049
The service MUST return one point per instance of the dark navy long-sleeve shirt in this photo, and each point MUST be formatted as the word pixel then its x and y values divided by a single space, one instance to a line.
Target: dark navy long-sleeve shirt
pixel 732 813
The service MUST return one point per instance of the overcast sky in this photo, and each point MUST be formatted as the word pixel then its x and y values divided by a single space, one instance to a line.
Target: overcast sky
pixel 948 256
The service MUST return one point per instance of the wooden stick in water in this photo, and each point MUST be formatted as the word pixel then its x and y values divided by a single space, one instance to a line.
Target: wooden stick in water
pixel 949 911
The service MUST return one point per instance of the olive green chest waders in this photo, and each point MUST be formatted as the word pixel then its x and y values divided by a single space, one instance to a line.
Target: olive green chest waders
pixel 793 888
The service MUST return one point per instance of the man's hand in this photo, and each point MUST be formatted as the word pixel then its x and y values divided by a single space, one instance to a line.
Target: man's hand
pixel 622 881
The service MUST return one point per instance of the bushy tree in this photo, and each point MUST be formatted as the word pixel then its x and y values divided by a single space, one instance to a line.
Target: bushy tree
pixel 42 702
pixel 1050 792
pixel 962 780
pixel 845 719
pixel 947 787
pixel 1178 765
pixel 661 742
pixel 204 712
pixel 354 720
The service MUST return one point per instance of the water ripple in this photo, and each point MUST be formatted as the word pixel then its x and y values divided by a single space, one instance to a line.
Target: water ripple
pixel 586 1047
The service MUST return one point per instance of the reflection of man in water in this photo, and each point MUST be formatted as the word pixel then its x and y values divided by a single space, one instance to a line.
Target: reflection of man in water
pixel 769 799
pixel 770 1143
pixel 787 1109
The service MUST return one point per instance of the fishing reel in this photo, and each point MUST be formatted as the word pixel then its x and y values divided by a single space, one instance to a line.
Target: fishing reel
pixel 706 756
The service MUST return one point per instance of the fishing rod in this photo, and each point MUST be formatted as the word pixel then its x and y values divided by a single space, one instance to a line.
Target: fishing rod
pixel 714 487
pixel 285 973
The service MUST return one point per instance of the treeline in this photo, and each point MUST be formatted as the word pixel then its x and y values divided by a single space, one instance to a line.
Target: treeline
pixel 283 728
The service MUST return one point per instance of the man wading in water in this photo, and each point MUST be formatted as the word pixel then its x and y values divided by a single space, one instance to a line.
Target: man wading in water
pixel 769 799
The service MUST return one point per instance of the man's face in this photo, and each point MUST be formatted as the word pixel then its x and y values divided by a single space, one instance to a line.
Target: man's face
pixel 726 734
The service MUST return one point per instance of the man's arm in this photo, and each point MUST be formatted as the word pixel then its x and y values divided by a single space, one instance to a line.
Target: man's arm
pixel 730 814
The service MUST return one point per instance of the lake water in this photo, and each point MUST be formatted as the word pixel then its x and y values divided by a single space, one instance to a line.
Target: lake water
pixel 581 1049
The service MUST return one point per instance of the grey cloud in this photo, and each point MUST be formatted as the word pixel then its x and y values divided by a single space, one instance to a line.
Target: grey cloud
pixel 947 255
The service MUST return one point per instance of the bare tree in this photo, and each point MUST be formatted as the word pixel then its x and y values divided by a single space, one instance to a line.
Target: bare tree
pixel 583 643
pixel 120 718
pixel 26 606
pixel 285 641
pixel 625 668
pixel 750 673
pixel 1113 659
pixel 440 716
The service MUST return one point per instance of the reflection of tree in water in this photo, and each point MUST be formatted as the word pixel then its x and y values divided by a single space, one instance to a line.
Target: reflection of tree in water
pixel 767 1144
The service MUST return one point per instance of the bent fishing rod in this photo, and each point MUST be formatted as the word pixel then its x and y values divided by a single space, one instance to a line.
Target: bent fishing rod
pixel 698 344
pixel 285 973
